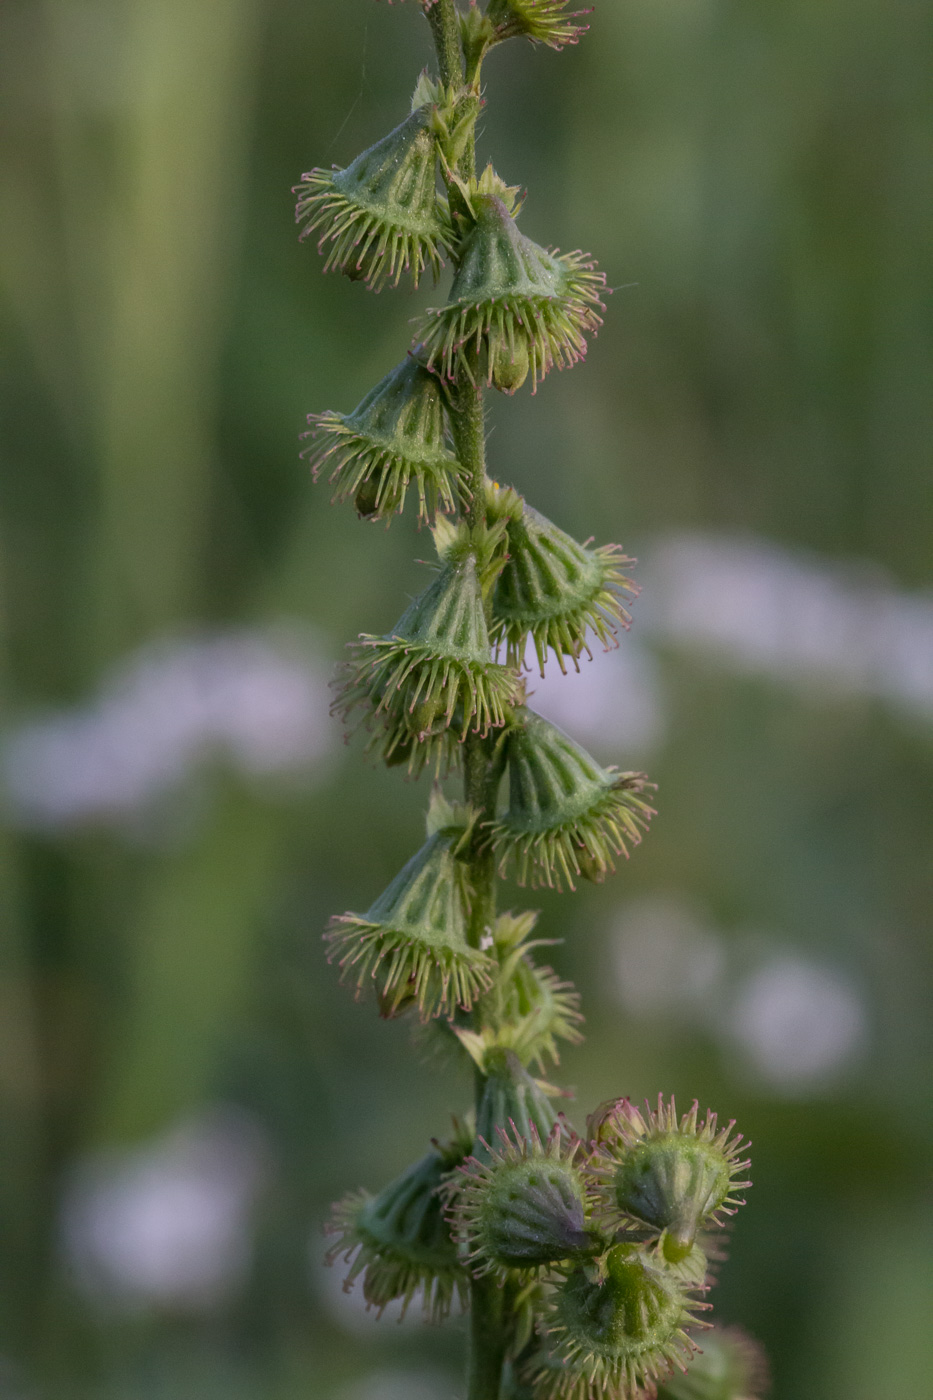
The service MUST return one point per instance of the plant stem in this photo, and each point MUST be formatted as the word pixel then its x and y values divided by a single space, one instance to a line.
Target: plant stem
pixel 445 27
pixel 469 429
pixel 488 1321
pixel 487 1339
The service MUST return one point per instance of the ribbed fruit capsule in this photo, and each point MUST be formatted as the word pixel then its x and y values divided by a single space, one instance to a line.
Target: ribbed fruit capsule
pixel 511 1100
pixel 393 439
pixel 556 592
pixel 525 1207
pixel 434 669
pixel 729 1366
pixel 380 216
pixel 514 309
pixel 400 1241
pixel 615 1329
pixel 672 1175
pixel 567 815
pixel 548 22
pixel 413 940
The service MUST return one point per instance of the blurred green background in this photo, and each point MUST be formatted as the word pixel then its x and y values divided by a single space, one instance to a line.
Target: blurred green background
pixel 183 1086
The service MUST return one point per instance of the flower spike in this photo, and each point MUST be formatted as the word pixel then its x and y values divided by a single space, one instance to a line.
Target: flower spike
pixel 542 21
pixel 413 939
pixel 585 1259
pixel 673 1176
pixel 394 438
pixel 567 816
pixel 381 215
pixel 555 591
pixel 515 309
pixel 399 1240
pixel 524 1208
pixel 616 1329
pixel 434 669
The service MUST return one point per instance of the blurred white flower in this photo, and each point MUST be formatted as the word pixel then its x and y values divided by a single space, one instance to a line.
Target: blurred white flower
pixel 613 703
pixel 167 1223
pixel 791 617
pixel 791 1024
pixel 260 699
pixel 796 1024
pixel 798 620
pixel 665 959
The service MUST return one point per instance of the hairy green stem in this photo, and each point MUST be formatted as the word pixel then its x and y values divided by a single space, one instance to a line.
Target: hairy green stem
pixel 489 1329
pixel 488 1333
pixel 479 773
pixel 480 794
pixel 469 430
pixel 445 27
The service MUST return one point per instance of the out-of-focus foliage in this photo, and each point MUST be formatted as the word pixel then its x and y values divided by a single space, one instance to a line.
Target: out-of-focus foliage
pixel 184 1088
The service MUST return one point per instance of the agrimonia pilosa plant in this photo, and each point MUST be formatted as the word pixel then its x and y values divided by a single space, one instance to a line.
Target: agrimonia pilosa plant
pixel 583 1257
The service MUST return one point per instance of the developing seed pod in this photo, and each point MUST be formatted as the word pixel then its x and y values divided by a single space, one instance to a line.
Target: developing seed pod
pixel 730 1366
pixel 556 591
pixel 381 216
pixel 511 1098
pixel 672 1176
pixel 515 308
pixel 567 816
pixel 543 21
pixel 433 666
pixel 525 1207
pixel 393 439
pixel 615 1329
pixel 400 1241
pixel 533 999
pixel 602 1125
pixel 413 940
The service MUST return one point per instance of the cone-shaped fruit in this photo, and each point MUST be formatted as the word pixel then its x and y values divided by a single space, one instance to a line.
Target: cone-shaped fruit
pixel 393 439
pixel 400 1241
pixel 543 21
pixel 555 591
pixel 511 1099
pixel 381 215
pixel 434 669
pixel 515 309
pixel 673 1175
pixel 413 940
pixel 616 1329
pixel 525 1208
pixel 566 816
